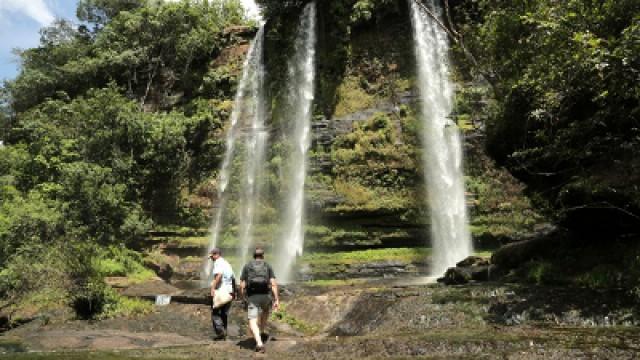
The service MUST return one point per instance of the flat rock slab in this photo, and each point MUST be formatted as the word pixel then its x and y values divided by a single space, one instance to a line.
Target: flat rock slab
pixel 151 288
pixel 104 340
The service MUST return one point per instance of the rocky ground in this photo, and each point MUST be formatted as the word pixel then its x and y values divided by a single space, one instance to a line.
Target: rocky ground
pixel 399 318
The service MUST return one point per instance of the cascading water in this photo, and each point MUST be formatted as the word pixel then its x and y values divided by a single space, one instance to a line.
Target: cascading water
pixel 442 147
pixel 300 97
pixel 248 104
pixel 256 146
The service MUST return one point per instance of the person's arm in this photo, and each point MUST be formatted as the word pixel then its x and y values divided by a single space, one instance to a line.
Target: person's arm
pixel 243 285
pixel 214 284
pixel 274 290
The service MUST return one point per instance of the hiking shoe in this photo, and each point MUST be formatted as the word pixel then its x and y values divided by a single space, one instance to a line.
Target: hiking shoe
pixel 260 349
pixel 221 337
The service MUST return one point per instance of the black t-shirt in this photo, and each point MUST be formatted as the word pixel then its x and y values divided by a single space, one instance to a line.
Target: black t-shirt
pixel 245 273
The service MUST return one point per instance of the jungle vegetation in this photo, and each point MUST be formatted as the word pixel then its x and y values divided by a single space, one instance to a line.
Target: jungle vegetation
pixel 114 122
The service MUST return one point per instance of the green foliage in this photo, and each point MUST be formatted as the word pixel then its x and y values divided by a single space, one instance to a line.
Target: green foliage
pixel 98 301
pixel 120 261
pixel 603 276
pixel 25 222
pixel 159 52
pixel 565 86
pixel 86 166
pixel 542 272
pixel 352 97
pixel 373 169
pixel 498 208
pixel 34 270
pixel 99 12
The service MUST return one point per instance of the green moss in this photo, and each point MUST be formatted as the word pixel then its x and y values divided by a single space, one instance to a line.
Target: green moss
pixel 352 97
pixel 408 255
pixel 374 170
pixel 498 206
pixel 282 316
pixel 335 282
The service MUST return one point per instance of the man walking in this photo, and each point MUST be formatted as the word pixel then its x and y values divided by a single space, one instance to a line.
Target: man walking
pixel 222 290
pixel 257 282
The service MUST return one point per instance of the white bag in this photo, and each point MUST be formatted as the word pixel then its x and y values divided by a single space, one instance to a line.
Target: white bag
pixel 221 298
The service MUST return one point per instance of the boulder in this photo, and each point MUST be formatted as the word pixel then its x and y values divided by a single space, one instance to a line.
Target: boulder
pixel 515 254
pixel 473 261
pixel 164 270
pixel 456 276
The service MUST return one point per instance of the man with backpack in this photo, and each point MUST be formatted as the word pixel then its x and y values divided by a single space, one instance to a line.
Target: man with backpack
pixel 222 292
pixel 257 283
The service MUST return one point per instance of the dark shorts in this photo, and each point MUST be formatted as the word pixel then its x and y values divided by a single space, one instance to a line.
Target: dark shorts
pixel 257 304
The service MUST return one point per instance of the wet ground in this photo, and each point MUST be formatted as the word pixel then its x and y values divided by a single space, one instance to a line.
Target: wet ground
pixel 405 318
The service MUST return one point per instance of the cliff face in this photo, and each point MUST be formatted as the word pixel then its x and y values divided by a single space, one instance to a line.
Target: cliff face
pixel 365 186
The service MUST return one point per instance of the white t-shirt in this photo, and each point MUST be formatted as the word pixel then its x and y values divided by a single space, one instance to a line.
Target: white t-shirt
pixel 221 266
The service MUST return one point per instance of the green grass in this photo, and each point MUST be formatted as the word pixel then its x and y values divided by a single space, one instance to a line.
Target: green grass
pixel 367 256
pixel 335 282
pixel 483 254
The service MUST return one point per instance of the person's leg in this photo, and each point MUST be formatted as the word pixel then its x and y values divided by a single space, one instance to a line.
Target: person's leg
pixel 224 314
pixel 253 314
pixel 218 325
pixel 264 317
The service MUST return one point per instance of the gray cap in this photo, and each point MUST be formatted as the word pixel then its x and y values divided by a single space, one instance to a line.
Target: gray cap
pixel 215 250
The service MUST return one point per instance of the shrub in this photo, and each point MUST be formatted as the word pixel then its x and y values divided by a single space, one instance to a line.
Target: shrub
pixel 541 272
pixel 602 276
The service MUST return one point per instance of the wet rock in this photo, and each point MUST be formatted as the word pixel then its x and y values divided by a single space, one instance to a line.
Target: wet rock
pixel 240 31
pixel 378 269
pixel 151 288
pixel 456 276
pixel 162 269
pixel 480 273
pixel 4 323
pixel 187 270
pixel 472 268
pixel 513 255
pixel 473 261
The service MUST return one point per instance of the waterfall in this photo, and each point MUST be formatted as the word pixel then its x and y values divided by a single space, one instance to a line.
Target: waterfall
pixel 300 94
pixel 442 147
pixel 248 106
pixel 256 145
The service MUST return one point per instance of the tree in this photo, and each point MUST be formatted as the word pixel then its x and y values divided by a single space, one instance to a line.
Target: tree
pixel 566 103
pixel 99 12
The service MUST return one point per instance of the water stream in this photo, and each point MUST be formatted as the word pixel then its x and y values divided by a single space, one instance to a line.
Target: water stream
pixel 256 141
pixel 300 95
pixel 442 146
pixel 247 121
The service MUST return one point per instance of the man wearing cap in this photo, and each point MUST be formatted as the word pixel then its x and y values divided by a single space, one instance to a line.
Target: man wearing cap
pixel 257 284
pixel 222 290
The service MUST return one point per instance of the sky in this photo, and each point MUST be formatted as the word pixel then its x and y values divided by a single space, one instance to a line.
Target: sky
pixel 20 21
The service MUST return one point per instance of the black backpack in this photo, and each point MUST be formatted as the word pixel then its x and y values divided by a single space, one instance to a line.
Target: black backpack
pixel 258 277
